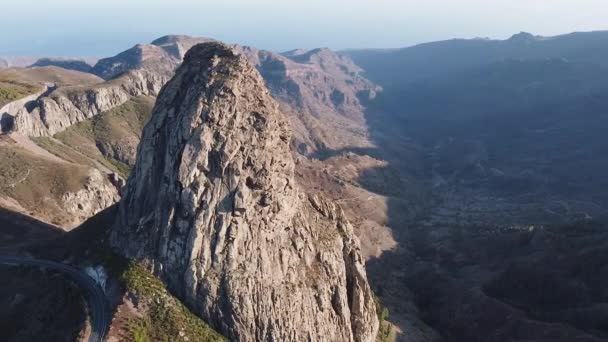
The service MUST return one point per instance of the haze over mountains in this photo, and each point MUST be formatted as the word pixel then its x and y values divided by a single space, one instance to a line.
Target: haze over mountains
pixel 472 172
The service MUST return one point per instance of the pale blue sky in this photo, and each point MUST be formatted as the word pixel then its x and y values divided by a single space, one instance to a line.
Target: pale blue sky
pixel 100 28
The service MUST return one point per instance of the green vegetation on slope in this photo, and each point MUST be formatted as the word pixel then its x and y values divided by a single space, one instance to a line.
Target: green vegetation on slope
pixel 167 318
pixel 11 91
pixel 111 138
pixel 63 151
pixel 163 317
pixel 386 332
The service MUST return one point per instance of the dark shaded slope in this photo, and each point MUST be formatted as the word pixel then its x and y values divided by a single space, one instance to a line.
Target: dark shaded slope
pixel 507 137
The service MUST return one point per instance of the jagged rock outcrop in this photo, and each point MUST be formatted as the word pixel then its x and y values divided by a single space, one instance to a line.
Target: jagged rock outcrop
pixel 162 56
pixel 213 208
pixel 98 192
pixel 141 56
pixel 66 106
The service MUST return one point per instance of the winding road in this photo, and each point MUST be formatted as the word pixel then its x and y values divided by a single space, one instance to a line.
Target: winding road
pixel 95 297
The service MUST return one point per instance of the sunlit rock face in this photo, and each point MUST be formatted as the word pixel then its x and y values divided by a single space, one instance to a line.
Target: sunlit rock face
pixel 212 207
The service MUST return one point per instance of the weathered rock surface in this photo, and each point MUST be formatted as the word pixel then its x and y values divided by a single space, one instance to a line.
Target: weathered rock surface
pixel 161 56
pixel 213 208
pixel 98 192
pixel 323 94
pixel 66 106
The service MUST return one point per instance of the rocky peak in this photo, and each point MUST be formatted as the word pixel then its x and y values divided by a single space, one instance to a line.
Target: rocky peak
pixel 141 56
pixel 212 207
pixel 170 39
pixel 523 37
pixel 178 45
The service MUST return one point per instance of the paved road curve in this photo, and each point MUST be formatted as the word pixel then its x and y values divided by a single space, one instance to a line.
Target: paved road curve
pixel 94 294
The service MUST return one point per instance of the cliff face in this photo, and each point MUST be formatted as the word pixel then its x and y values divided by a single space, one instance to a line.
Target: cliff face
pixel 213 208
pixel 66 106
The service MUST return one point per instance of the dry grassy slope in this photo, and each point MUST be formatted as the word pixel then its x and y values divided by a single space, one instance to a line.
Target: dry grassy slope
pixel 42 186
pixel 11 91
pixel 35 185
pixel 109 139
pixel 49 74
pixel 31 182
pixel 16 83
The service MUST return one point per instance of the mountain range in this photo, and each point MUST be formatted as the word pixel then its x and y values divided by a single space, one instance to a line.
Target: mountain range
pixel 471 172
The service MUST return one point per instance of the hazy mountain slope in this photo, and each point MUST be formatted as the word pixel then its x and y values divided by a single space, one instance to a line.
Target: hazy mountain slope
pixel 140 56
pixel 65 63
pixel 402 66
pixel 49 74
pixel 508 136
pixel 323 94
pixel 17 61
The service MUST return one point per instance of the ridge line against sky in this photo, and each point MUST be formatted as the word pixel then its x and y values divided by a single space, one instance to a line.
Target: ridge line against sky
pixel 103 28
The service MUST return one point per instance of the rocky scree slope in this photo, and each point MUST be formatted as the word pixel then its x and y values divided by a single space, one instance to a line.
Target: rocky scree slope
pixel 227 226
